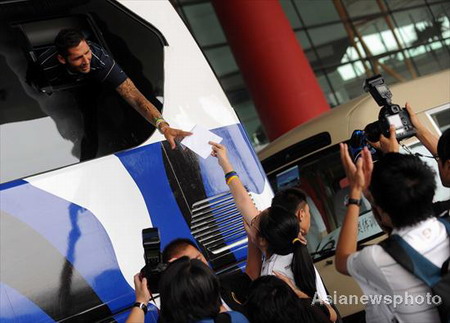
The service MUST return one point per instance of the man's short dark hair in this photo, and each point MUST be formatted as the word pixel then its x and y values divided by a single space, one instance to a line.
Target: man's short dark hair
pixel 403 186
pixel 67 38
pixel 443 147
pixel 175 247
pixel 189 291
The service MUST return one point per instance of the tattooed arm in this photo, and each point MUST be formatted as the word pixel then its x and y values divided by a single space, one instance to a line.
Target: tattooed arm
pixel 137 100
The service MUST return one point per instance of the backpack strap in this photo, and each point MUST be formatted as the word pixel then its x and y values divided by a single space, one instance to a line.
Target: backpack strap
pixel 414 262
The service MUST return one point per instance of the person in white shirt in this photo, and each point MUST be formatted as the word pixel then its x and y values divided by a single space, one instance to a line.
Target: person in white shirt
pixel 278 234
pixel 401 189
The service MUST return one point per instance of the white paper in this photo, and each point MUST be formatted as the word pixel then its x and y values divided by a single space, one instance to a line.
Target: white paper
pixel 198 141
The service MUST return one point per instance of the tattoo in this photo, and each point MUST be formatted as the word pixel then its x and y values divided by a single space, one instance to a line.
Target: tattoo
pixel 137 100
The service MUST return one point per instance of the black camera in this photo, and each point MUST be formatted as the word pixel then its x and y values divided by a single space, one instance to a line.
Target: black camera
pixel 390 113
pixel 153 259
pixel 358 141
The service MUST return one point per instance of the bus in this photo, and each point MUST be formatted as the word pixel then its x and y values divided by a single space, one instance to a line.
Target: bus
pixel 82 174
pixel 308 157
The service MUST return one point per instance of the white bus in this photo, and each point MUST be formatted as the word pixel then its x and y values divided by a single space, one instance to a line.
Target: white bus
pixel 82 173
pixel 308 157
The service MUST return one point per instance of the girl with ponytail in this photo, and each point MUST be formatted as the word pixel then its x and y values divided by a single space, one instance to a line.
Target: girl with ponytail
pixel 277 233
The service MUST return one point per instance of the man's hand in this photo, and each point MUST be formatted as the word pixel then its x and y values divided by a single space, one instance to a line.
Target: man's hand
pixel 137 100
pixel 428 139
pixel 412 116
pixel 173 135
pixel 389 145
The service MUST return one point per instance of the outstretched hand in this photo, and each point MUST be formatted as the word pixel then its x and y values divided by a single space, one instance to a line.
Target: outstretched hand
pixel 220 152
pixel 358 175
pixel 172 135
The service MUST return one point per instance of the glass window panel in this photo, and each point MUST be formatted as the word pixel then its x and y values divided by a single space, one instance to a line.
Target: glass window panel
pixel 361 8
pixel 401 4
pixel 442 118
pixel 204 24
pixel 328 34
pixel 222 60
pixel 303 39
pixel 309 11
pixel 442 24
pixel 327 91
pixel 414 26
pixel 290 12
pixel 331 44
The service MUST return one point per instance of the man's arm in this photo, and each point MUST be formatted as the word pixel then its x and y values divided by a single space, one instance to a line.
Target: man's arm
pixel 137 100
pixel 359 178
pixel 425 136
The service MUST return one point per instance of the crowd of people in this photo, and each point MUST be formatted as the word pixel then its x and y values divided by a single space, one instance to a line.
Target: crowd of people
pixel 281 283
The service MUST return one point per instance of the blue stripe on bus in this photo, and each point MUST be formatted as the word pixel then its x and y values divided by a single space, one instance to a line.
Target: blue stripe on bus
pixel 146 167
pixel 12 303
pixel 72 230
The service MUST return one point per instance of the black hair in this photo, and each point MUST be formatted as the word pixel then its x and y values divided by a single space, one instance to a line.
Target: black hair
pixel 279 227
pixel 175 247
pixel 403 186
pixel 271 300
pixel 443 147
pixel 67 38
pixel 189 291
pixel 290 198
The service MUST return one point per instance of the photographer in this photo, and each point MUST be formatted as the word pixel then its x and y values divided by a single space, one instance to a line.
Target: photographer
pixel 402 189
pixel 439 148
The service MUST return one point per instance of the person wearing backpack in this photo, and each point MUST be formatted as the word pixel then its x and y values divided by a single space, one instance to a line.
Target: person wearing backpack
pixel 401 189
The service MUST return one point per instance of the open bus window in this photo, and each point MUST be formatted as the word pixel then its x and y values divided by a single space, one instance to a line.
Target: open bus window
pixel 41 132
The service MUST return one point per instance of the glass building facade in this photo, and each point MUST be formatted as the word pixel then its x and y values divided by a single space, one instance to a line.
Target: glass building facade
pixel 344 41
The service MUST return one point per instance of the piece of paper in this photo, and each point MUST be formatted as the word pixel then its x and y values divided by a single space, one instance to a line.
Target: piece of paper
pixel 198 141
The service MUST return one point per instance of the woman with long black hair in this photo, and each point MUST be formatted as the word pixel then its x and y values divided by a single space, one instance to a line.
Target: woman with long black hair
pixel 278 233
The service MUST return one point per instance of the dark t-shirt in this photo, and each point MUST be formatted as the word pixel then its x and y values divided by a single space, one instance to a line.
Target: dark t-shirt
pixel 103 68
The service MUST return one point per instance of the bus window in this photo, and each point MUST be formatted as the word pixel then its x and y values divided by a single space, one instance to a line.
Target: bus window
pixel 322 177
pixel 41 132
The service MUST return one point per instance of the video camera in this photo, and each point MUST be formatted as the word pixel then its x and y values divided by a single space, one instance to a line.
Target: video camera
pixel 153 260
pixel 389 114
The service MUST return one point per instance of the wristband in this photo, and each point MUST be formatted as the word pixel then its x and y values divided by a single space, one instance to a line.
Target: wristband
pixel 353 201
pixel 229 180
pixel 142 306
pixel 230 176
pixel 158 122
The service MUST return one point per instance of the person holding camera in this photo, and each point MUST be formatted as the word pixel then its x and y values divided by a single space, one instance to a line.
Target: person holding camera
pixel 233 286
pixel 401 188
pixel 439 148
pixel 278 234
pixel 189 292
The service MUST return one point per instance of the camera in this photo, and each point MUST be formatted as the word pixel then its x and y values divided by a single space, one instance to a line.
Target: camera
pixel 153 259
pixel 358 141
pixel 389 114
